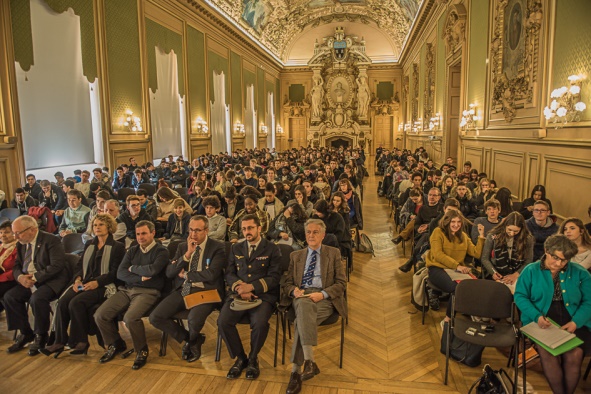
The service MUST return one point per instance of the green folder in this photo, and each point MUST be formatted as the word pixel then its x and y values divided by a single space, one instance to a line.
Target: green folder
pixel 565 347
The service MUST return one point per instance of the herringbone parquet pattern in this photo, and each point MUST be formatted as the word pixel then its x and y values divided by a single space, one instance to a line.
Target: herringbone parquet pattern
pixel 387 350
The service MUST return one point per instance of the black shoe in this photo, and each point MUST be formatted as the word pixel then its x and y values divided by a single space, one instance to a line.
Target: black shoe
pixel 253 371
pixel 20 342
pixel 112 351
pixel 186 351
pixel 310 370
pixel 237 368
pixel 195 349
pixel 406 266
pixel 81 348
pixel 140 359
pixel 397 240
pixel 433 301
pixel 39 343
pixel 56 348
pixel 295 383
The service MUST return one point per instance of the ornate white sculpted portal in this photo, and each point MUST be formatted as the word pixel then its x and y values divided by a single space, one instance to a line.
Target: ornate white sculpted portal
pixel 340 94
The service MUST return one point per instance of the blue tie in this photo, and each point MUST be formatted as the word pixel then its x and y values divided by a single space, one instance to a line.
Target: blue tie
pixel 309 274
pixel 27 261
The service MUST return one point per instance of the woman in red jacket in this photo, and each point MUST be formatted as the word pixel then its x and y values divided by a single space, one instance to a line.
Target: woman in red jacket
pixel 7 258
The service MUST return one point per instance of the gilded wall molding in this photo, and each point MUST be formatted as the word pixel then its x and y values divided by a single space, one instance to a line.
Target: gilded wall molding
pixel 515 48
pixel 429 92
pixel 454 28
pixel 415 93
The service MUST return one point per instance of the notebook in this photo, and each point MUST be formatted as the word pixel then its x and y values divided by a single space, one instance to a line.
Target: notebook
pixel 552 337
pixel 458 276
pixel 202 297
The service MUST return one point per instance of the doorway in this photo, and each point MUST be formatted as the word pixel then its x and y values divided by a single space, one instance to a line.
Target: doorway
pixel 338 142
pixel 453 110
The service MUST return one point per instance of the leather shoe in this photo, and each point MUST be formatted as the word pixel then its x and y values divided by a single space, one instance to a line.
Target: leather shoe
pixel 20 342
pixel 295 384
pixel 406 266
pixel 253 371
pixel 237 368
pixel 195 349
pixel 186 351
pixel 39 343
pixel 112 351
pixel 397 240
pixel 140 359
pixel 310 370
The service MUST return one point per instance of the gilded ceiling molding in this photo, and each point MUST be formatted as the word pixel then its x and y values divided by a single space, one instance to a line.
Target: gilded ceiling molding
pixel 454 29
pixel 515 47
pixel 429 93
pixel 283 21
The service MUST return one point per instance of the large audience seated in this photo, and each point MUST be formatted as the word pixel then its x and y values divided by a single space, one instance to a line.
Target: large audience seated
pixel 487 234
pixel 148 229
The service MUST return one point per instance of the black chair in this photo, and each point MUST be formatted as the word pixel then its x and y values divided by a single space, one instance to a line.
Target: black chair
pixel 149 188
pixel 484 298
pixel 10 213
pixel 182 190
pixel 3 219
pixel 169 183
pixel 124 192
pixel 73 243
pixel 428 285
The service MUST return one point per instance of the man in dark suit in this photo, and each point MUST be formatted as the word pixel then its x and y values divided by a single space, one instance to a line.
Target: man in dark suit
pixel 197 266
pixel 40 269
pixel 316 282
pixel 253 272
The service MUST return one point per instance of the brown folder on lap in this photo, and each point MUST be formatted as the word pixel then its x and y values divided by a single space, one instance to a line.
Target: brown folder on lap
pixel 202 297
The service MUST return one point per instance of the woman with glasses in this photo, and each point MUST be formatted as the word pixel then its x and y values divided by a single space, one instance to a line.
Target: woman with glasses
pixel 94 282
pixel 574 230
pixel 508 249
pixel 556 289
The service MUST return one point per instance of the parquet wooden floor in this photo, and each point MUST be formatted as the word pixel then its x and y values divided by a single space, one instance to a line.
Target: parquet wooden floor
pixel 387 350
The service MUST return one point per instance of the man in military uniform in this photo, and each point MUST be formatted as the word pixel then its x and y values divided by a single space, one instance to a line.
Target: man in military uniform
pixel 253 273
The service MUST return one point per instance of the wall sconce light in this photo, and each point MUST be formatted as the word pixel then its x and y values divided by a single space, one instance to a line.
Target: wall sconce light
pixel 201 125
pixel 133 123
pixel 239 128
pixel 407 126
pixel 279 129
pixel 435 122
pixel 469 118
pixel 401 126
pixel 264 129
pixel 566 105
pixel 418 125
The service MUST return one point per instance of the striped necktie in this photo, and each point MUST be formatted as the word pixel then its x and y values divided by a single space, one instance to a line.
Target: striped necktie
pixel 28 258
pixel 193 267
pixel 309 274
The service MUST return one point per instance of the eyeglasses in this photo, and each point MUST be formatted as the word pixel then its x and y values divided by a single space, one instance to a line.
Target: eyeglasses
pixel 556 258
pixel 540 210
pixel 134 205
pixel 196 230
pixel 17 233
pixel 434 195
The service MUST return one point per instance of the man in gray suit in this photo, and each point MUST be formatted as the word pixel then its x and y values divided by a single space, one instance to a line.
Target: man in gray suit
pixel 316 282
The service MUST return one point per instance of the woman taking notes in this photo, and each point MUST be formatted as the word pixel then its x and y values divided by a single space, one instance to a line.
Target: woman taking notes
pixel 557 289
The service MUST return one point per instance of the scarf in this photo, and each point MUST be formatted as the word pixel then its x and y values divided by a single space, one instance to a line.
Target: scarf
pixel 6 250
pixel 105 261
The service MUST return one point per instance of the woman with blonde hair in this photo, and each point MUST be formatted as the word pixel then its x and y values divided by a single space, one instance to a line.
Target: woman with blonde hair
pixel 94 282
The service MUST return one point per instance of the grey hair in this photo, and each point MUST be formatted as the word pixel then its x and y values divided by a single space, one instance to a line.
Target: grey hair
pixel 560 243
pixel 113 202
pixel 27 221
pixel 317 222
pixel 202 218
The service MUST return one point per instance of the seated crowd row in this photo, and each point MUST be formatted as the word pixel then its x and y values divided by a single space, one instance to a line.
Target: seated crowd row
pixel 544 263
pixel 132 278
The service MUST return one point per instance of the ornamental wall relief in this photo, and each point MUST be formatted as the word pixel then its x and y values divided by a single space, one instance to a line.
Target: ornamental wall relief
pixel 514 57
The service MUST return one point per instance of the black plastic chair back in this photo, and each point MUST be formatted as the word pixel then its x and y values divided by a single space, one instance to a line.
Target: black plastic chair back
pixel 73 243
pixel 124 192
pixel 72 262
pixel 149 188
pixel 484 298
pixel 10 213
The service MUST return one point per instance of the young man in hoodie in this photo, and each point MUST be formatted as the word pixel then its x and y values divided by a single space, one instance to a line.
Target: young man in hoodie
pixel 541 226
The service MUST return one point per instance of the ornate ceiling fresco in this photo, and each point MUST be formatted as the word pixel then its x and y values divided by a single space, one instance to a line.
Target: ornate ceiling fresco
pixel 278 24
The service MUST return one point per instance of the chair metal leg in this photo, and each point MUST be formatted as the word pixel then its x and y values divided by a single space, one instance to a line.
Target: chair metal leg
pixel 587 371
pixel 163 344
pixel 511 354
pixel 524 366
pixel 425 307
pixel 283 319
pixel 447 353
pixel 218 347
pixel 515 361
pixel 276 340
pixel 342 342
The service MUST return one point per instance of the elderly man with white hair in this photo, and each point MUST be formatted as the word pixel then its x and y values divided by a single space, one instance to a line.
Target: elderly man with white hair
pixel 41 272
pixel 316 282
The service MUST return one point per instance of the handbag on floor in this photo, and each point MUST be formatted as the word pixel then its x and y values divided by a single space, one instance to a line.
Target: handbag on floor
pixel 461 351
pixel 492 382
